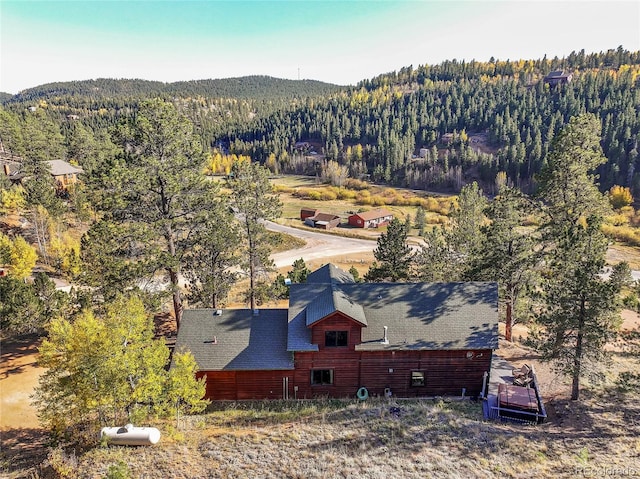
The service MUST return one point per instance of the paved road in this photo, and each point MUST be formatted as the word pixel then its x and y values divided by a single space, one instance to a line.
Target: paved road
pixel 319 245
pixel 322 245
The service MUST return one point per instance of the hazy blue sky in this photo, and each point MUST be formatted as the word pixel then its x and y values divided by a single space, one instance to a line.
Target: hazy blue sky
pixel 334 41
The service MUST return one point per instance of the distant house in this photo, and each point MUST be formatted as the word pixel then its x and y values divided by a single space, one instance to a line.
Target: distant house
pixel 308 213
pixel 10 168
pixel 64 173
pixel 558 77
pixel 446 139
pixel 370 219
pixel 339 338
pixel 323 221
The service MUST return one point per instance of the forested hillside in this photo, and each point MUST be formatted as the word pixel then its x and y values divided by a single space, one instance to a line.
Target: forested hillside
pixel 431 127
pixel 254 87
pixel 473 119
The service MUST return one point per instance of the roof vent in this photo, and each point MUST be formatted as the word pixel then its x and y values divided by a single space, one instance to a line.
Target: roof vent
pixel 385 339
pixel 212 341
pixel 287 281
pixel 256 312
pixel 217 312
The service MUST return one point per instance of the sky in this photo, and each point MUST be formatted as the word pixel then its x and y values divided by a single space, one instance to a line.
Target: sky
pixel 334 41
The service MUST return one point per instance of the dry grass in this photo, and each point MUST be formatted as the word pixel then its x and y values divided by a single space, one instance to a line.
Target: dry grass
pixel 376 439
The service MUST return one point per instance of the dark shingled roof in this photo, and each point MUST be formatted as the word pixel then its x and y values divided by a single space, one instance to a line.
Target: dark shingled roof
pixel 418 315
pixel 330 273
pixel 330 301
pixel 236 340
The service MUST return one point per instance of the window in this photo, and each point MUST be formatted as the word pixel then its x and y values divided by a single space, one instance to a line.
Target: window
pixel 417 378
pixel 333 339
pixel 322 376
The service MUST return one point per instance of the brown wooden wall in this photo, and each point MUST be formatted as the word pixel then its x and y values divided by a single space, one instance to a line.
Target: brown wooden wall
pixel 445 372
pixel 241 385
pixel 337 322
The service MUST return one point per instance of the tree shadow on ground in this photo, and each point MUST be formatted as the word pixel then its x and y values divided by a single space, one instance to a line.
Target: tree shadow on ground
pixel 23 450
pixel 15 349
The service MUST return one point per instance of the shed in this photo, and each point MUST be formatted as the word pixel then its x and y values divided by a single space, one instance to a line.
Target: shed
pixel 308 213
pixel 323 221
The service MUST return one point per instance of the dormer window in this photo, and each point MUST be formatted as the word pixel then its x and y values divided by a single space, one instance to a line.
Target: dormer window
pixel 335 339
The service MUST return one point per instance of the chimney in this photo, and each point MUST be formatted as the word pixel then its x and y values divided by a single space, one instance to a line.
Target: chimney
pixel 385 339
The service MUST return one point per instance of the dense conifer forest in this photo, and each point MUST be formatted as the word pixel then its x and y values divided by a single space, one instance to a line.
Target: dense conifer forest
pixel 431 127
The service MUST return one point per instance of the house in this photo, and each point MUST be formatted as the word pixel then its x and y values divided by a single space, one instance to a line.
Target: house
pixel 446 139
pixel 323 221
pixel 558 77
pixel 64 173
pixel 308 213
pixel 11 169
pixel 370 219
pixel 338 336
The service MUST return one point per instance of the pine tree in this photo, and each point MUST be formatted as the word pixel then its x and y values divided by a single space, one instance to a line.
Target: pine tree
pixel 393 254
pixel 579 307
pixel 159 194
pixel 508 255
pixel 252 198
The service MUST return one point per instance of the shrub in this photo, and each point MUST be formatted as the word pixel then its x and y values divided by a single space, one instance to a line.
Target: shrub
pixel 378 201
pixel 617 220
pixel 620 196
pixel 437 219
pixel 363 197
pixel 328 195
pixel 624 234
pixel 354 184
pixel 345 194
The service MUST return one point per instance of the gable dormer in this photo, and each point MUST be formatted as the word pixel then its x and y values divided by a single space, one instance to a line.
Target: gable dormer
pixel 335 320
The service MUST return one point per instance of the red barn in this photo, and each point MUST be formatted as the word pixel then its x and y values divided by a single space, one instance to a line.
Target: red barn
pixel 308 213
pixel 370 219
pixel 338 336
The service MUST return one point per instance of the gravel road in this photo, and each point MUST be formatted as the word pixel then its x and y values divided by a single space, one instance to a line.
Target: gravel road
pixel 319 245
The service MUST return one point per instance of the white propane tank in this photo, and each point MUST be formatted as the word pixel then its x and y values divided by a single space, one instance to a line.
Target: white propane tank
pixel 130 435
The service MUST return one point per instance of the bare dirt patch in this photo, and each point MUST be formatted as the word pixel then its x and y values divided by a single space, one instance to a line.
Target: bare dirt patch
pixel 19 374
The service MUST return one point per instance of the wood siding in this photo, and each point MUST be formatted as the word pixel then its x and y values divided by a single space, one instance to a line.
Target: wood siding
pixel 336 322
pixel 242 385
pixel 445 372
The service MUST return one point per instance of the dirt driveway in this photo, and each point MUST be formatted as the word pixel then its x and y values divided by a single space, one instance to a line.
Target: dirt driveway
pixel 19 373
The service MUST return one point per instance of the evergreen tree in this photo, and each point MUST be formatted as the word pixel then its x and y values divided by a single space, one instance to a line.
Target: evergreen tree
pixel 434 260
pixel 253 200
pixel 420 220
pixel 210 264
pixel 299 272
pixel 578 314
pixel 159 193
pixel 393 255
pixel 508 255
